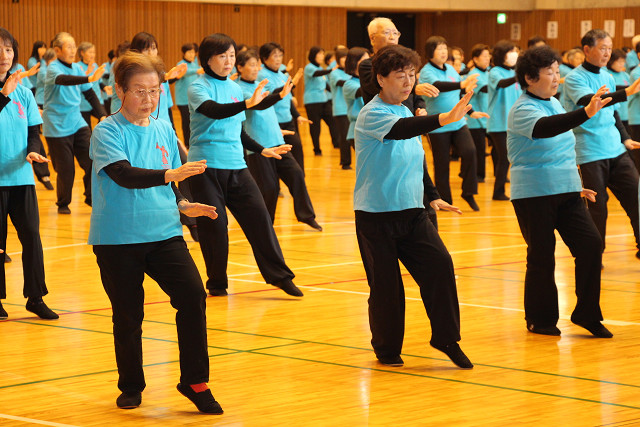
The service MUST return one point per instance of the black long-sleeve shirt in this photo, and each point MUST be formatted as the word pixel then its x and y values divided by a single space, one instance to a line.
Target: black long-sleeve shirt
pixel 127 176
pixel 90 95
pixel 551 126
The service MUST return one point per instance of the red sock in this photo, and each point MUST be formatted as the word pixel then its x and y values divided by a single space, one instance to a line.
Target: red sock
pixel 198 388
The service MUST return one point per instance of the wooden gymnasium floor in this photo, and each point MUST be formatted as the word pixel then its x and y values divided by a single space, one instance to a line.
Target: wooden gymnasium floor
pixel 277 360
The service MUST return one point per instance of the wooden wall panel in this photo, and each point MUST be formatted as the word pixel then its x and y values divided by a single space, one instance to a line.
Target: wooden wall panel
pixel 464 29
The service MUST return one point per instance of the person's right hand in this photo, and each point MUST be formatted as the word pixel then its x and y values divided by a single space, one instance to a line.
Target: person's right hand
pixel 98 73
pixel 11 84
pixel 597 103
pixel 458 111
pixel 470 82
pixel 31 72
pixel 185 171
pixel 633 88
pixel 258 94
pixel 289 66
pixel 297 76
pixel 302 119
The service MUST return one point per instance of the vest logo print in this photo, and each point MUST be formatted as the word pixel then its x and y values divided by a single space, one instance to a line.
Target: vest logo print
pixel 165 156
pixel 20 110
pixel 234 99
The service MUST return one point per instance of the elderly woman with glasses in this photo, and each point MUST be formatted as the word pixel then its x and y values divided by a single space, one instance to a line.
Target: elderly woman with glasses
pixel 135 230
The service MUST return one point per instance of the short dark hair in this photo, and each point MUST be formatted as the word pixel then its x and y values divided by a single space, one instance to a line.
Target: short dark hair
pixel 500 50
pixel 123 48
pixel 143 41
pixel 477 49
pixel 213 45
pixel 6 36
pixel 111 54
pixel 432 44
pixel 268 48
pixel 341 52
pixel 637 48
pixel 533 60
pixel 313 52
pixel 37 45
pixel 535 40
pixel 615 55
pixel 591 38
pixel 245 56
pixel 354 55
pixel 189 46
pixel 393 58
pixel 328 57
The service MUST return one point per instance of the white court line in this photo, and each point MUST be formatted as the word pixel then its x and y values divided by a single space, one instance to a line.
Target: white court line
pixel 34 421
pixel 493 307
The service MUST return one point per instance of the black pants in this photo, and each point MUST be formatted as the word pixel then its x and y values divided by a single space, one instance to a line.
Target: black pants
pixel 186 120
pixel 21 205
pixel 499 140
pixel 634 132
pixel 236 190
pixel 294 141
pixel 410 237
pixel 441 144
pixel 342 124
pixel 41 169
pixel 168 262
pixel 480 141
pixel 321 111
pixel 267 172
pixel 62 151
pixel 538 217
pixel 621 177
pixel 345 152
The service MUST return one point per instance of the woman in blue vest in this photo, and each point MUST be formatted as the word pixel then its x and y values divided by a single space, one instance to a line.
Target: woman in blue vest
pixel 19 139
pixel 546 192
pixel 261 124
pixel 337 79
pixel 353 98
pixel 273 70
pixel 39 48
pixel 87 62
pixel 135 230
pixel 315 98
pixel 503 92
pixel 65 129
pixel 217 108
pixel 480 62
pixel 445 78
pixel 189 53
pixel 391 222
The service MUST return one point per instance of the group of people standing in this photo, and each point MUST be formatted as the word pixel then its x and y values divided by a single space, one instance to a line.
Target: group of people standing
pixel 240 138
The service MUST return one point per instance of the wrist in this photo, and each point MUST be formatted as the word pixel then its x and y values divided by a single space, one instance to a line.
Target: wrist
pixel 168 176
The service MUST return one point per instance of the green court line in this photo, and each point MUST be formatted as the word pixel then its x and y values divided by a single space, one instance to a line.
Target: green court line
pixel 87 374
pixel 412 374
pixel 300 341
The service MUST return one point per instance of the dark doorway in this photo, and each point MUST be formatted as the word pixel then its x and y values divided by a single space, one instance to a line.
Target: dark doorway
pixel 357 27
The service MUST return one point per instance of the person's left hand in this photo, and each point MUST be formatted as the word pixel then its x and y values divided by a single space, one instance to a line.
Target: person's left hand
pixel 631 144
pixel 36 157
pixel 421 112
pixel 426 89
pixel 589 194
pixel 197 209
pixel 176 72
pixel 276 151
pixel 286 132
pixel 441 205
pixel 31 72
pixel 479 115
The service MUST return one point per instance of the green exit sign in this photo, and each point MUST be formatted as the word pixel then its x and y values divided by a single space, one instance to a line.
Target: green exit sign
pixel 501 18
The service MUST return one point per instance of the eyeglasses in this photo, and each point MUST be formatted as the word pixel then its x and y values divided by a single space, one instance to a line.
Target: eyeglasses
pixel 389 33
pixel 153 93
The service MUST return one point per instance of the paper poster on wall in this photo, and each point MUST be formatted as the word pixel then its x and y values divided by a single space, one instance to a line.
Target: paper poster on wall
pixel 610 27
pixel 552 30
pixel 628 28
pixel 585 26
pixel 516 32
